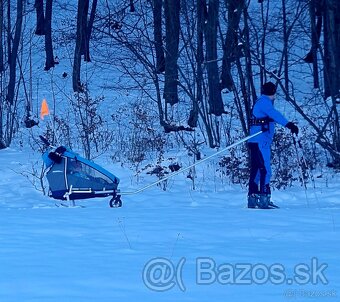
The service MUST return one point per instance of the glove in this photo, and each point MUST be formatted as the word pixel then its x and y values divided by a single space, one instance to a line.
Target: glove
pixel 293 128
pixel 60 150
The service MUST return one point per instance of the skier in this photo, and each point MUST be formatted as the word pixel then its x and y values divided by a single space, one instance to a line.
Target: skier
pixel 264 117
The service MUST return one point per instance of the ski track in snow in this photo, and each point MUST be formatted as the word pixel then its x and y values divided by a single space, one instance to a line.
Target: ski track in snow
pixel 98 254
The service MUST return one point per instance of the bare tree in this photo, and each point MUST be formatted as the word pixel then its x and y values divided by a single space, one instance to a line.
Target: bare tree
pixel 327 12
pixel 158 36
pixel 14 52
pixel 9 104
pixel 50 60
pixel 316 10
pixel 89 27
pixel 285 55
pixel 2 73
pixel 1 37
pixel 39 8
pixel 194 112
pixel 215 98
pixel 331 46
pixel 230 47
pixel 172 26
pixel 83 6
pixel 248 61
pixel 84 30
pixel 44 28
pixel 2 69
pixel 332 66
pixel 193 75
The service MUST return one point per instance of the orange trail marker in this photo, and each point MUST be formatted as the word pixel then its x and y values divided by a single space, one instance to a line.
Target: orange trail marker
pixel 44 109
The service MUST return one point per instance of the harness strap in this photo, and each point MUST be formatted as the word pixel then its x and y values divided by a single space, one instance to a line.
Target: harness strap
pixel 260 121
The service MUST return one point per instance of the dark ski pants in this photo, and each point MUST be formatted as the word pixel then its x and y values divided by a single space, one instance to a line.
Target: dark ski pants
pixel 260 171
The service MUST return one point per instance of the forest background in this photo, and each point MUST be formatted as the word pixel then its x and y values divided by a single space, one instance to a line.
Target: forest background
pixel 135 79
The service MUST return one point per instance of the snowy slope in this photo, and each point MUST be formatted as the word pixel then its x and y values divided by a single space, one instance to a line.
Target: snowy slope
pixel 95 253
pixel 100 254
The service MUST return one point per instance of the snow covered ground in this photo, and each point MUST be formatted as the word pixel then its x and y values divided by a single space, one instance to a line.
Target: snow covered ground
pixel 163 245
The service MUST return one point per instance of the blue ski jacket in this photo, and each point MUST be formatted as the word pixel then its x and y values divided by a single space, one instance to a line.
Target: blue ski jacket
pixel 264 108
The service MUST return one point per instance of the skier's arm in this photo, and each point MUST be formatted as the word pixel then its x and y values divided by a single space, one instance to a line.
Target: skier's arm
pixel 269 109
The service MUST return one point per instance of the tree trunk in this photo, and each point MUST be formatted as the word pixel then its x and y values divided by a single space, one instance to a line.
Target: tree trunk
pixel 157 22
pixel 230 46
pixel 215 98
pixel 9 34
pixel 83 28
pixel 89 31
pixel 77 86
pixel 316 32
pixel 1 39
pixel 332 44
pixel 39 8
pixel 327 51
pixel 285 46
pixel 337 47
pixel 332 64
pixel 14 53
pixel 193 117
pixel 315 11
pixel 248 58
pixel 2 69
pixel 50 62
pixel 264 20
pixel 132 7
pixel 172 26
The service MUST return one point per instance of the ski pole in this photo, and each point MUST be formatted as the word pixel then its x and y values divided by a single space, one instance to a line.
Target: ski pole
pixel 299 162
pixel 310 175
pixel 301 170
pixel 193 165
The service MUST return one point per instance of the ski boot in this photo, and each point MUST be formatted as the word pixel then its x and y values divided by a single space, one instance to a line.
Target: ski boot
pixel 264 201
pixel 253 200
pixel 273 205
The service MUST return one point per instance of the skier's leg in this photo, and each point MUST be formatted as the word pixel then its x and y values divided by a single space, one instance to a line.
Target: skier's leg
pixel 256 162
pixel 265 175
pixel 254 153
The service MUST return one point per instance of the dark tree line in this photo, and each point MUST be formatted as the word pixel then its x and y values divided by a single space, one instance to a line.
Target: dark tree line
pixel 84 30
pixel 230 53
pixel 192 50
pixel 44 28
pixel 325 19
pixel 11 37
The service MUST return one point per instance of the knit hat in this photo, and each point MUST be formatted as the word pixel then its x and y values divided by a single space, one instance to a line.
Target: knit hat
pixel 268 88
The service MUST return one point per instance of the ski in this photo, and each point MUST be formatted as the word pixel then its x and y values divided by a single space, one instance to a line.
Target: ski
pixel 272 205
pixel 63 205
pixel 254 202
pixel 269 208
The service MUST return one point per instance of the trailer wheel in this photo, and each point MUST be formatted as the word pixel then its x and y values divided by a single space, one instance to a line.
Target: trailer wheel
pixel 116 202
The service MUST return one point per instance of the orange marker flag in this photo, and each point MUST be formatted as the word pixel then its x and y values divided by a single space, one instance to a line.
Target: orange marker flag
pixel 44 109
